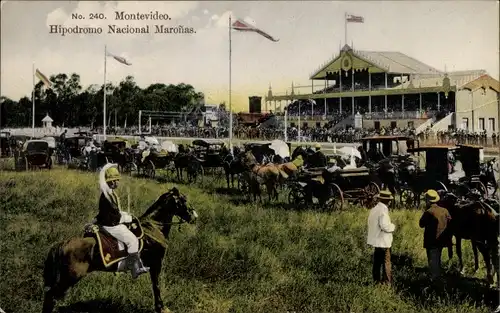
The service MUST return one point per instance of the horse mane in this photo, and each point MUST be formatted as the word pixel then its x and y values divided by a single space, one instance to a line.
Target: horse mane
pixel 152 229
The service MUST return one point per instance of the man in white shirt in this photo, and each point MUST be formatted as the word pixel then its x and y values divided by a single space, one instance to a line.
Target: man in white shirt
pixel 380 231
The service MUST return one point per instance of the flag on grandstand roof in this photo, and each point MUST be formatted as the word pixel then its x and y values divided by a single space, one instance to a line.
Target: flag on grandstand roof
pixel 243 26
pixel 122 60
pixel 354 19
pixel 43 78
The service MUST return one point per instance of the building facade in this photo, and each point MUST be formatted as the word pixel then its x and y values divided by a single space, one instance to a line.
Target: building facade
pixel 393 89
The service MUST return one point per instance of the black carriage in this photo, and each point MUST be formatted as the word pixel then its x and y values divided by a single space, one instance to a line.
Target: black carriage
pixel 36 154
pixel 5 146
pixel 377 148
pixel 434 175
pixel 262 151
pixel 333 189
pixel 72 147
pixel 206 156
pixel 470 157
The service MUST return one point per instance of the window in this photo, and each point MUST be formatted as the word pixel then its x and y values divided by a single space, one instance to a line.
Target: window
pixel 491 122
pixel 376 125
pixel 481 123
pixel 465 123
pixel 393 124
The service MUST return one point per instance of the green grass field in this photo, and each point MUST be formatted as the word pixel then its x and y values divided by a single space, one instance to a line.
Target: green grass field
pixel 237 258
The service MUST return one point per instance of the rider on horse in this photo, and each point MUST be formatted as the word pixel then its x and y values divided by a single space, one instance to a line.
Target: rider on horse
pixel 111 217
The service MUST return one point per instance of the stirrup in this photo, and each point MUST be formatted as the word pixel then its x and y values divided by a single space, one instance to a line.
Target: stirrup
pixel 137 271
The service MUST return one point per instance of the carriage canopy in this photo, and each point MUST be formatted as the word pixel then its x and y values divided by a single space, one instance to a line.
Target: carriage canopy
pixel 280 148
pixel 470 157
pixel 51 141
pixel 169 146
pixel 436 161
pixel 151 141
pixel 36 146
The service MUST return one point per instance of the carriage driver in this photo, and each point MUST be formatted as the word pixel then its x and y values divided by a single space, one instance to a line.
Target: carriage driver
pixel 111 217
pixel 319 157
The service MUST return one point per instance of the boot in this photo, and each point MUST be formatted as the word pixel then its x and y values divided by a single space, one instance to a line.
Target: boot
pixel 136 266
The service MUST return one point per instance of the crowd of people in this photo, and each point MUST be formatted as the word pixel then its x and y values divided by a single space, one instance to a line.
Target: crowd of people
pixel 309 134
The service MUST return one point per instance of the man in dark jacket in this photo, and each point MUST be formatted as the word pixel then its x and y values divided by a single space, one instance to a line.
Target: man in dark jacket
pixel 437 234
pixel 111 217
pixel 318 159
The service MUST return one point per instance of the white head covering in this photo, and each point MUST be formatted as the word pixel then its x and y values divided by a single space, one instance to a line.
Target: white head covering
pixel 102 181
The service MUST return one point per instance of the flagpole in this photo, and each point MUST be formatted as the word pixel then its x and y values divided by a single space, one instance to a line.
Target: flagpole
pixel 286 126
pixel 33 99
pixel 345 28
pixel 230 104
pixel 104 101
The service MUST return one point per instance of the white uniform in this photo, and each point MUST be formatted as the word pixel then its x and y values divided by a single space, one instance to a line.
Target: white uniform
pixel 123 234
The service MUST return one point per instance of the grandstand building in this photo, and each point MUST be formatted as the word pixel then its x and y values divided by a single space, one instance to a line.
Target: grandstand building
pixel 391 89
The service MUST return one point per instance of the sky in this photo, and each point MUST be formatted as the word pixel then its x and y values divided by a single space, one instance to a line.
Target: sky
pixel 458 35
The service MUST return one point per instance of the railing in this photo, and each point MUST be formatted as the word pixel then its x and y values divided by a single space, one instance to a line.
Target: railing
pixel 398 115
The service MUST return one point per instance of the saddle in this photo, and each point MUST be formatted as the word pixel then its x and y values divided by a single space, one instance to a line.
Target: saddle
pixel 110 249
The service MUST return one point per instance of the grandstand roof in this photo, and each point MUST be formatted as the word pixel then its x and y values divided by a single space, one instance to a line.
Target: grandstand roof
pixel 385 61
pixel 397 62
pixel 472 79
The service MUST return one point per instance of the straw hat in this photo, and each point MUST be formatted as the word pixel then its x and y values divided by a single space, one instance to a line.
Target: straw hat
pixel 432 196
pixel 385 195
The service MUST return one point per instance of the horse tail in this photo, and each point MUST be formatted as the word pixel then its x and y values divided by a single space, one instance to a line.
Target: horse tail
pixel 53 266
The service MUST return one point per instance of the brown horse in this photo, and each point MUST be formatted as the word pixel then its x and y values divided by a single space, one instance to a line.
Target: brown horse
pixel 268 174
pixel 476 221
pixel 70 261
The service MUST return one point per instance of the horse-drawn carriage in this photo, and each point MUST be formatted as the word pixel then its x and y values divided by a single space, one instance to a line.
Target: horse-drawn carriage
pixel 437 173
pixel 115 151
pixel 157 157
pixel 475 178
pixel 333 188
pixel 36 154
pixel 262 151
pixel 73 147
pixel 376 148
pixel 5 146
pixel 206 156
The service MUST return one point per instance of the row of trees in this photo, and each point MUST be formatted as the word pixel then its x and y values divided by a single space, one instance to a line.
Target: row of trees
pixel 69 104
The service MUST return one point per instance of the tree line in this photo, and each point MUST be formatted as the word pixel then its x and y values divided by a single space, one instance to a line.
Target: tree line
pixel 69 104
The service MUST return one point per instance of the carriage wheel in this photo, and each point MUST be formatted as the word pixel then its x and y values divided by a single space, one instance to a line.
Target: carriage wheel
pixel 481 188
pixel 408 199
pixel 150 170
pixel 371 190
pixel 336 201
pixel 441 186
pixel 128 168
pixel 297 197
